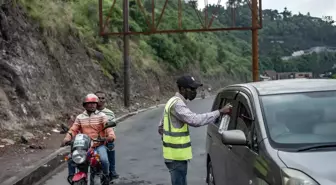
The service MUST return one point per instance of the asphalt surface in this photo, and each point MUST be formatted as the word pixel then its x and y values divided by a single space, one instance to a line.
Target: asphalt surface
pixel 139 153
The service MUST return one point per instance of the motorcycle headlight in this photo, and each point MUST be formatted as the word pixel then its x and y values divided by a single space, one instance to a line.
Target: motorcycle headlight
pixel 295 177
pixel 78 156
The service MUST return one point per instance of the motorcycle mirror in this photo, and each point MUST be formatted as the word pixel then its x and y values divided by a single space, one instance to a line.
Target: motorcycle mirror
pixel 64 128
pixel 110 124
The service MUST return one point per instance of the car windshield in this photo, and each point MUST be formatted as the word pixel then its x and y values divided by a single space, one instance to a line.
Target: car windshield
pixel 300 119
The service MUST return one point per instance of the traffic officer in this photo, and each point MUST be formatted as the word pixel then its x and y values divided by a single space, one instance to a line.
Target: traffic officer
pixel 174 128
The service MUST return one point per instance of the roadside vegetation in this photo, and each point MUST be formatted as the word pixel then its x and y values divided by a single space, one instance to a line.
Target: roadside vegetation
pixel 227 53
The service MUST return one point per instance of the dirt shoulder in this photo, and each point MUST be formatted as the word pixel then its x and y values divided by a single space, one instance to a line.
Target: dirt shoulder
pixel 21 156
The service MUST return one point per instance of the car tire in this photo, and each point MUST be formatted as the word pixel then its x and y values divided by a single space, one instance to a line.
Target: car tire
pixel 210 176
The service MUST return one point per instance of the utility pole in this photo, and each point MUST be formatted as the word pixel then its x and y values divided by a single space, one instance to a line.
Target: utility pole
pixel 255 64
pixel 126 54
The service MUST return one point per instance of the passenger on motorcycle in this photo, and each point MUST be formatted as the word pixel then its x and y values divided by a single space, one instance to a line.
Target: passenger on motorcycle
pixel 203 93
pixel 110 145
pixel 91 122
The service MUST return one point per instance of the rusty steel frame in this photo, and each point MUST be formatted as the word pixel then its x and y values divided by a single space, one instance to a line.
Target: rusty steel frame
pixel 205 27
pixel 205 24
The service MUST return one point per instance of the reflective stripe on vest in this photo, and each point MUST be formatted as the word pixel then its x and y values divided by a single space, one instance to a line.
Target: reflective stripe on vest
pixel 176 141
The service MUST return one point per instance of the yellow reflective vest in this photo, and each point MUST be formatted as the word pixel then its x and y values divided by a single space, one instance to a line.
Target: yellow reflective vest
pixel 176 141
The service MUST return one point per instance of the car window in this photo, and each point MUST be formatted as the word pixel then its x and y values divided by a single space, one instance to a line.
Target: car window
pixel 243 121
pixel 232 124
pixel 300 119
pixel 221 104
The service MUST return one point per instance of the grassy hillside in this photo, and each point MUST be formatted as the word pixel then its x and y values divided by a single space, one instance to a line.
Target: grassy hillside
pixel 213 53
pixel 225 53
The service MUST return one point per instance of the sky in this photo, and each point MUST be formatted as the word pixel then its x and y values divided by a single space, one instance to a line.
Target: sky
pixel 315 7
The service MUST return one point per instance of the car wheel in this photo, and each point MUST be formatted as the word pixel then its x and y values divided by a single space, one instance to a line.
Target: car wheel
pixel 211 179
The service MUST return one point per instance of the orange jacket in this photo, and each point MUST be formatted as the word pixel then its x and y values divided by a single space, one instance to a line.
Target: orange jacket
pixel 92 126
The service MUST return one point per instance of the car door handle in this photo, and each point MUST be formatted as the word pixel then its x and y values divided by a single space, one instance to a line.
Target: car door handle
pixel 229 147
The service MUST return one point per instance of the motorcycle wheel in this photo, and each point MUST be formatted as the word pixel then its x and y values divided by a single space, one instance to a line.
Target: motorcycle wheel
pixel 81 182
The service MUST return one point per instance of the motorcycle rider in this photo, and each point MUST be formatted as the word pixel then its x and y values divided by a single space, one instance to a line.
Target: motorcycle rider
pixel 110 145
pixel 91 122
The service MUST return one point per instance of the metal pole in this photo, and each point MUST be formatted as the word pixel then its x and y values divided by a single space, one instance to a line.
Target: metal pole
pixel 255 67
pixel 126 55
pixel 101 17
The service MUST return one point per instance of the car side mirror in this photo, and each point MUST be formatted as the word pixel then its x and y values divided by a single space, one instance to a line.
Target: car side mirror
pixel 234 137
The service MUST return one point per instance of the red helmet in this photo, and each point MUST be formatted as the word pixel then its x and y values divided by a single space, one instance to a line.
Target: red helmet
pixel 91 98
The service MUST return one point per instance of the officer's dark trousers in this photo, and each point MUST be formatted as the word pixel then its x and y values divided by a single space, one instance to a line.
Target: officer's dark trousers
pixel 178 172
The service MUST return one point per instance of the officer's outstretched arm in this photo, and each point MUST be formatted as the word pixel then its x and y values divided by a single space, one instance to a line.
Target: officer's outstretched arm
pixel 183 113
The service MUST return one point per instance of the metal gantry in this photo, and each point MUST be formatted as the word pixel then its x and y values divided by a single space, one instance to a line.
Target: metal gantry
pixel 206 25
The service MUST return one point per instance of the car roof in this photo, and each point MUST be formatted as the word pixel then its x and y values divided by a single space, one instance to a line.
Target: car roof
pixel 290 86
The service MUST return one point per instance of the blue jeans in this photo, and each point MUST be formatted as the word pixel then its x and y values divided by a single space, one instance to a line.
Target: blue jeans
pixel 111 156
pixel 178 172
pixel 102 151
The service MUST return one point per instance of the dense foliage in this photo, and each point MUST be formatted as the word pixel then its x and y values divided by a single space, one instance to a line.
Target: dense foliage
pixel 217 52
pixel 284 33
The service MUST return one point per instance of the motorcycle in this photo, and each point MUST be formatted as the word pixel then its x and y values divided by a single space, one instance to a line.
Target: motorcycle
pixel 84 156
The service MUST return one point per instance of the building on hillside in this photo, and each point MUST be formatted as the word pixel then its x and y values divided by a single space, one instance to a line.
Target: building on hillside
pixel 297 53
pixel 317 49
pixel 264 78
pixel 270 73
pixel 304 75
pixel 273 75
pixel 285 75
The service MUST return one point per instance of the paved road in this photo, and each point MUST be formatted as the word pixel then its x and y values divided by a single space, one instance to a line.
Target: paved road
pixel 139 153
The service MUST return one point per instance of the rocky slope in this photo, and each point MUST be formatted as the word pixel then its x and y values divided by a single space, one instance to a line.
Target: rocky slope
pixel 42 77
